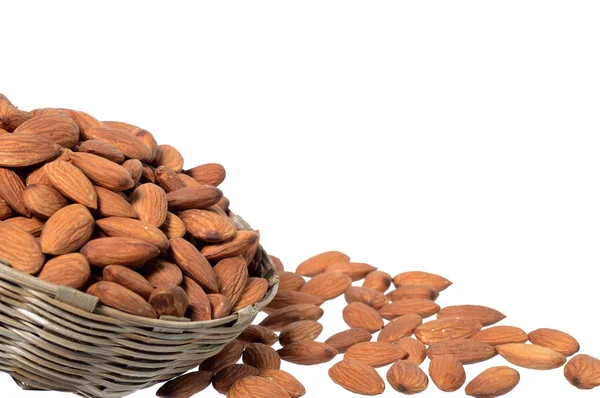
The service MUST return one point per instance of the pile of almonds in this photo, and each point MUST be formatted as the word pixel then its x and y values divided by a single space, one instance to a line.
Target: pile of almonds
pixel 101 207
pixel 461 335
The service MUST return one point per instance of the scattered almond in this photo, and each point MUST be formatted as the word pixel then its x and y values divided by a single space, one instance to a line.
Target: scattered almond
pixel 357 377
pixel 485 315
pixel 376 354
pixel 300 331
pixel 371 297
pixel 555 339
pixel 447 329
pixel 421 278
pixel 447 373
pixel 498 335
pixel 493 382
pixel 327 286
pixel 424 308
pixel 319 263
pixel 261 356
pixel 307 353
pixel 407 378
pixel 403 326
pixel 343 340
pixel 531 356
pixel 583 372
pixel 360 315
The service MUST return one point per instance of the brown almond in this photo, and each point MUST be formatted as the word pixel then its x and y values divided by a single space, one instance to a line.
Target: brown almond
pixel 253 293
pixel 277 320
pixel 223 203
pixel 583 372
pixel 132 228
pixel 343 340
pixel 71 270
pixel 121 298
pixel 220 306
pixel 230 354
pixel 169 301
pixel 20 249
pixel 300 331
pixel 173 227
pixel 286 381
pixel 194 197
pixel 143 135
pixel 378 280
pixel 28 224
pixel 59 129
pixel 485 315
pixel 371 297
pixel 111 204
pixel 83 120
pixel 400 327
pixel 49 111
pixel 129 145
pixel 360 315
pixel 208 174
pixel 193 264
pixel 199 308
pixel 25 150
pixel 148 174
pixel 447 329
pixel 239 245
pixel 150 203
pixel 190 182
pixel 424 308
pixel 319 263
pixel 375 354
pixel 465 350
pixel 4 101
pixel 256 386
pixel 357 377
pixel 5 210
pixel 261 356
pixel 134 167
pixel 106 151
pixel 168 179
pixel 103 172
pixel 258 334
pixel 414 292
pixel 160 272
pixel 356 271
pixel 67 230
pixel 417 352
pixel 168 156
pixel 498 335
pixel 447 373
pixel 43 200
pixel 11 190
pixel 531 356
pixel 407 378
pixel 307 353
pixel 290 281
pixel 207 225
pixel 276 262
pixel 327 286
pixel 229 375
pixel 186 385
pixel 493 382
pixel 421 278
pixel 38 176
pixel 129 279
pixel 128 252
pixel 72 183
pixel 286 298
pixel 555 339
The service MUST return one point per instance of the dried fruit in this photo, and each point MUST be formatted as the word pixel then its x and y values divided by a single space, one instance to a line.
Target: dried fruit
pixel 168 156
pixel 424 308
pixel 253 293
pixel 286 381
pixel 43 200
pixel 208 174
pixel 240 245
pixel 25 150
pixel 169 301
pixel 129 252
pixel 194 197
pixel 150 203
pixel 583 372
pixel 111 204
pixel 220 306
pixel 277 320
pixel 447 373
pixel 58 129
pixel 327 286
pixel 129 145
pixel 71 270
pixel 111 153
pixel 121 298
pixel 229 375
pixel 555 339
pixel 32 225
pixel 258 334
pixel 20 249
pixel 485 315
pixel 232 275
pixel 359 315
pixel 498 335
pixel 403 326
pixel 261 356
pixel 72 183
pixel 531 356
pixel 67 230
pixel 407 378
pixel 256 387
pixel 356 271
pixel 414 292
pixel 129 279
pixel 319 263
pixel 417 352
pixel 124 227
pixel 307 353
pixel 173 227
pixel 229 355
pixel 421 278
pixel 207 225
pixel 11 190
pixel 447 329
pixel 185 386
pixel 376 354
pixel 300 331
pixel 371 297
pixel 357 377
pixel 193 264
pixel 493 382
pixel 199 308
pixel 466 351
pixel 103 172
pixel 286 298
pixel 290 281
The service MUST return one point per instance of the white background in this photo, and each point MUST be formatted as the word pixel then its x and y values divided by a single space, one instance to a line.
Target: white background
pixel 460 138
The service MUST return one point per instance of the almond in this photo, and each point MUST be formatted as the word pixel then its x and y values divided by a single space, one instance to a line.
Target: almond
pixel 220 306
pixel 286 381
pixel 20 249
pixel 319 263
pixel 129 145
pixel 43 201
pixel 168 156
pixel 208 174
pixel 417 352
pixel 190 182
pixel 150 203
pixel 421 278
pixel 109 152
pixel 229 375
pixel 327 286
pixel 223 203
pixel 50 111
pixel 307 353
pixel 25 150
pixel 194 197
pixel 447 329
pixel 407 378
pixel 447 373
pixel 290 281
pixel 277 320
pixel 28 224
pixel 239 245
pixel 371 297
pixel 72 183
pixel 400 327
pixel 111 204
pixel 255 386
pixel 555 339
pixel 360 315
pixel 67 230
pixel 414 292
pixel 498 335
pixel 148 174
pixel 38 176
pixel 129 279
pixel 230 354
pixel 493 382
pixel 531 356
pixel 261 356
pixel 71 270
pixel 168 179
pixel 147 139
pixel 466 351
pixel 343 340
pixel 121 298
pixel 424 308
pixel 300 331
pixel 286 298
pixel 131 228
pixel 4 101
pixel 128 252
pixel 208 226
pixel 58 129
pixel 11 190
pixel 583 372
pixel 83 120
pixel 169 301
pixel 357 377
pixel 102 171
pixel 253 293
pixel 356 271
pixel 258 334
pixel 277 263
pixel 160 272
pixel 134 167
pixel 5 210
pixel 173 227
pixel 185 386
pixel 375 354
pixel 193 264
pixel 485 315
pixel 199 308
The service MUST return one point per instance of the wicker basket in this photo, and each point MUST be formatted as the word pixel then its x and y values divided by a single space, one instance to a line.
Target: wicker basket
pixel 57 338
